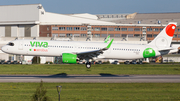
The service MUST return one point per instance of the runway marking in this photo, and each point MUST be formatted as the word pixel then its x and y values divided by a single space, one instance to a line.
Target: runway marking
pixel 92 78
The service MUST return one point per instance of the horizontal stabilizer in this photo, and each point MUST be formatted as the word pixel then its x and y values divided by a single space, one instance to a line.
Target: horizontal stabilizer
pixel 166 49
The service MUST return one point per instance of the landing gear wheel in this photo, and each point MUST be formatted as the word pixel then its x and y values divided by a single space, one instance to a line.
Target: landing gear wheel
pixel 88 65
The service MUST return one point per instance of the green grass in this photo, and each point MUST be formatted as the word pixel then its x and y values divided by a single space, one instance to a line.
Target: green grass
pixel 145 69
pixel 94 91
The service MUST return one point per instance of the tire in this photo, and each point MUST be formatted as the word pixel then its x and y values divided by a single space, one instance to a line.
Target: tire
pixel 88 65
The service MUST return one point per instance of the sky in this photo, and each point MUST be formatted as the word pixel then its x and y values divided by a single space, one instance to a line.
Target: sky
pixel 102 6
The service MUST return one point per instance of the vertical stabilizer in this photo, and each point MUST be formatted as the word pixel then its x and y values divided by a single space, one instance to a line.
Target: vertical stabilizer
pixel 164 38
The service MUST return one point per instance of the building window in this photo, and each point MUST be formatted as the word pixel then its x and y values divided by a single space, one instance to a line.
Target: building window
pixel 178 36
pixel 55 28
pixel 124 35
pixel 111 35
pixel 103 29
pixel 83 35
pixel 96 35
pixel 156 29
pixel 68 35
pixel 161 29
pixel 154 35
pixel 137 29
pixel 137 35
pixel 149 29
pixel 54 35
pixel 83 28
pixel 69 28
pixel 178 30
pixel 110 29
pixel 47 28
pixel 103 35
pixel 130 29
pixel 130 35
pixel 97 29
pixel 117 29
pixel 117 35
pixel 62 35
pixel 62 28
pixel 76 35
pixel 175 36
pixel 149 35
pixel 124 29
pixel 76 28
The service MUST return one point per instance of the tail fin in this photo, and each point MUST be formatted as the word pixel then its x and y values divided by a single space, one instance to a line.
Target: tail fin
pixel 164 38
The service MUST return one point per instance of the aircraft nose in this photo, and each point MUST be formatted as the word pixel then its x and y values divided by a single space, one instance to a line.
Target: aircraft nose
pixel 4 48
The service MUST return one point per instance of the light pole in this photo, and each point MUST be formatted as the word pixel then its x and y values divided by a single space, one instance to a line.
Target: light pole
pixel 59 90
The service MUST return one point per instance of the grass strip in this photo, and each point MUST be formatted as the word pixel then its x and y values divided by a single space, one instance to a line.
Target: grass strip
pixel 145 69
pixel 94 91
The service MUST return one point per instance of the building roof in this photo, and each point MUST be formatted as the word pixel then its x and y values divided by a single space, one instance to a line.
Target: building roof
pixel 61 19
pixel 148 18
pixel 140 16
pixel 85 15
pixel 35 14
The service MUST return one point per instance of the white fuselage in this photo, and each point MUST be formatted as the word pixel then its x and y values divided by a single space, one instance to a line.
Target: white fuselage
pixel 56 48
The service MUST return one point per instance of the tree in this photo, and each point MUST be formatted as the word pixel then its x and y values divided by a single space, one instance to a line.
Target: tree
pixel 40 94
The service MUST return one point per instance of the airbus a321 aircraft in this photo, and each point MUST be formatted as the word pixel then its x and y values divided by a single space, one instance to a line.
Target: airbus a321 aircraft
pixel 72 51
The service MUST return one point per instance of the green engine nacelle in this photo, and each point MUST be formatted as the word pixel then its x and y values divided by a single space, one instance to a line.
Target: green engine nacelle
pixel 69 58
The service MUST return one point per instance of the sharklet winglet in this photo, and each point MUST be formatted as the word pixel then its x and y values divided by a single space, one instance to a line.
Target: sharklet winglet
pixel 109 45
pixel 107 39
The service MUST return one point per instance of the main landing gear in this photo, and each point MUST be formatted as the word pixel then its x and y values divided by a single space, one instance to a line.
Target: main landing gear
pixel 88 65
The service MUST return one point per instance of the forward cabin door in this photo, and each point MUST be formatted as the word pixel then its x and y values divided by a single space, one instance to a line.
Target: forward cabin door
pixel 20 47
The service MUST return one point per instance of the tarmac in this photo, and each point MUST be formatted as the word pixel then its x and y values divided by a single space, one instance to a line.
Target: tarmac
pixel 102 78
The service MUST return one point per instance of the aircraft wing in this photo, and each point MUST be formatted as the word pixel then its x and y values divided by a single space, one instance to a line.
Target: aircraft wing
pixel 94 53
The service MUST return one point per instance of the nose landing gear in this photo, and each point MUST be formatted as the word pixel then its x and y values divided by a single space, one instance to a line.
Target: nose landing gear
pixel 88 65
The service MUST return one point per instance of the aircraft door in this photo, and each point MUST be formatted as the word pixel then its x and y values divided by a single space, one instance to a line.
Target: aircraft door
pixel 20 47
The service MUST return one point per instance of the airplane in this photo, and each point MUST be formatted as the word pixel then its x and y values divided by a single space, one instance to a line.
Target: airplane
pixel 72 51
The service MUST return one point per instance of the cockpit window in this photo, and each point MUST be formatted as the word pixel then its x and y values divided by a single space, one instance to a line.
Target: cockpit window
pixel 11 44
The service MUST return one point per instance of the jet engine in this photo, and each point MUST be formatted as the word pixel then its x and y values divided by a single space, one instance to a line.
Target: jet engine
pixel 69 58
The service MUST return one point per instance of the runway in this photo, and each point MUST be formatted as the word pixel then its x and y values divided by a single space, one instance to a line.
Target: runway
pixel 102 78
